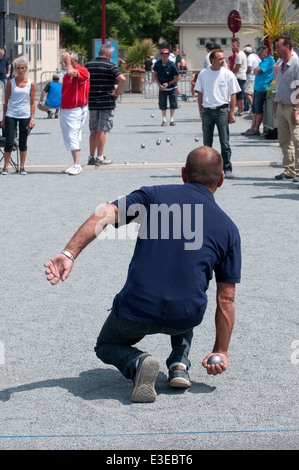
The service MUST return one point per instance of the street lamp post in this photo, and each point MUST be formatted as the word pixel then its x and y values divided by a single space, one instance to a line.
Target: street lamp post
pixel 103 22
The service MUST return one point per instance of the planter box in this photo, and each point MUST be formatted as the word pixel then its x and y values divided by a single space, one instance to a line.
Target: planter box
pixel 127 87
pixel 137 80
pixel 269 107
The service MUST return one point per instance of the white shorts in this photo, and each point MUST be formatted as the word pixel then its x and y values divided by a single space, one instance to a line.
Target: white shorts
pixel 71 123
pixel 249 87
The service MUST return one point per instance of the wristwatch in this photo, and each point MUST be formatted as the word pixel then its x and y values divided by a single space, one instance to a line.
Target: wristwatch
pixel 68 255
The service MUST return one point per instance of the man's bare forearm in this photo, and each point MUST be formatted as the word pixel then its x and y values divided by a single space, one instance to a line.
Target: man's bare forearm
pixel 225 316
pixel 91 228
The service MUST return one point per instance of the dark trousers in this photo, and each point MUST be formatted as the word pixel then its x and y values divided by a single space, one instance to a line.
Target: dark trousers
pixel 218 117
pixel 10 130
pixel 114 344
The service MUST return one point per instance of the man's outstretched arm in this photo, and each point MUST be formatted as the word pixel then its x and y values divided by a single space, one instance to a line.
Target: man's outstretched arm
pixel 59 267
pixel 224 320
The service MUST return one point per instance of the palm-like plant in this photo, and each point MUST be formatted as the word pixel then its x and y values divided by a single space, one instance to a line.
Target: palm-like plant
pixel 137 53
pixel 274 18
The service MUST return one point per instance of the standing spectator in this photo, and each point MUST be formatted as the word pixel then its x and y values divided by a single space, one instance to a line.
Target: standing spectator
pixel 231 60
pixel 53 100
pixel 287 107
pixel 209 47
pixel 74 100
pixel 216 90
pixel 253 61
pixel 4 67
pixel 239 70
pixel 174 56
pixel 148 65
pixel 18 108
pixel 166 287
pixel 193 83
pixel 263 77
pixel 183 63
pixel 167 75
pixel 101 102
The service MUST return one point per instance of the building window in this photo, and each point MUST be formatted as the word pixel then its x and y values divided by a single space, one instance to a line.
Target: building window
pixel 223 41
pixel 17 30
pixel 38 41
pixel 28 39
pixel 201 42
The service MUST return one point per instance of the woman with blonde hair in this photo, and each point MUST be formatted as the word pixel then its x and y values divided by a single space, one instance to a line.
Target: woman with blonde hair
pixel 18 108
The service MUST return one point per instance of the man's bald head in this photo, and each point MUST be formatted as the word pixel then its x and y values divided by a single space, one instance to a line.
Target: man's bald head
pixel 204 165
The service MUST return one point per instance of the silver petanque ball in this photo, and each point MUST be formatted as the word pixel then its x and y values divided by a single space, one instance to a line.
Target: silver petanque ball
pixel 196 139
pixel 158 142
pixel 143 146
pixel 168 139
pixel 152 115
pixel 215 359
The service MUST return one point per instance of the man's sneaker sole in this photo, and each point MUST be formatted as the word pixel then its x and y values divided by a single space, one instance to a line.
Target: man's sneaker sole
pixel 144 391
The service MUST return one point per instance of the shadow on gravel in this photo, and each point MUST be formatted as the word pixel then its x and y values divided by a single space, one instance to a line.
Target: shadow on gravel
pixel 102 384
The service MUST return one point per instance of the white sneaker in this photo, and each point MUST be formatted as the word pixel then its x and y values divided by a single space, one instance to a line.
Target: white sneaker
pixel 74 170
pixel 105 161
pixel 68 169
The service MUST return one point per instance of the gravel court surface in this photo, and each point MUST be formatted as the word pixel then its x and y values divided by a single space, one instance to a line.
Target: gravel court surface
pixel 54 393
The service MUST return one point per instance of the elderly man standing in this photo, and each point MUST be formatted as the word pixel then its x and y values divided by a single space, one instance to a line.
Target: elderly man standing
pixel 101 102
pixel 166 76
pixel 287 107
pixel 216 88
pixel 74 101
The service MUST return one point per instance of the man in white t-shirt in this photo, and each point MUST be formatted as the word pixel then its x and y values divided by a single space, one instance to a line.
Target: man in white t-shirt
pixel 239 70
pixel 253 61
pixel 216 90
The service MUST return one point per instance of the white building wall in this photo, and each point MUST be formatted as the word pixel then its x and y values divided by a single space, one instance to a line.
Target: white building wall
pixel 42 50
pixel 190 36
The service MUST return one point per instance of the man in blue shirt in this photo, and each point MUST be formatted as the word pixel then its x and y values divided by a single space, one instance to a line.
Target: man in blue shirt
pixel 53 100
pixel 166 76
pixel 184 237
pixel 263 78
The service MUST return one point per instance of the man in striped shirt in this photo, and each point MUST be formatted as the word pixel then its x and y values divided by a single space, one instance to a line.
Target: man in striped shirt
pixel 101 103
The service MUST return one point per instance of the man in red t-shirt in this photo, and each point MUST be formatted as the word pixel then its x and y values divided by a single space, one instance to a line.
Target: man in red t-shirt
pixel 74 107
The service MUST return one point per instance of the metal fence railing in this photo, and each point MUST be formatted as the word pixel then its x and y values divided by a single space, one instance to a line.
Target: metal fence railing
pixel 151 90
pixel 47 77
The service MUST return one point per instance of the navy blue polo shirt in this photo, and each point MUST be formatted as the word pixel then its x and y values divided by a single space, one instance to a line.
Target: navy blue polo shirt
pixel 167 72
pixel 184 237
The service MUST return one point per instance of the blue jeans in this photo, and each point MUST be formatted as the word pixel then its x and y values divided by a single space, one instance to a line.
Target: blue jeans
pixel 114 343
pixel 218 116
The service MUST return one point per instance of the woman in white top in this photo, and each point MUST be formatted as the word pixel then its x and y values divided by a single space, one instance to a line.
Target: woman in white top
pixel 18 107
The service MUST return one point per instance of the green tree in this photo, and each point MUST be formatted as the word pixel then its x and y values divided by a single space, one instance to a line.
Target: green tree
pixel 126 20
